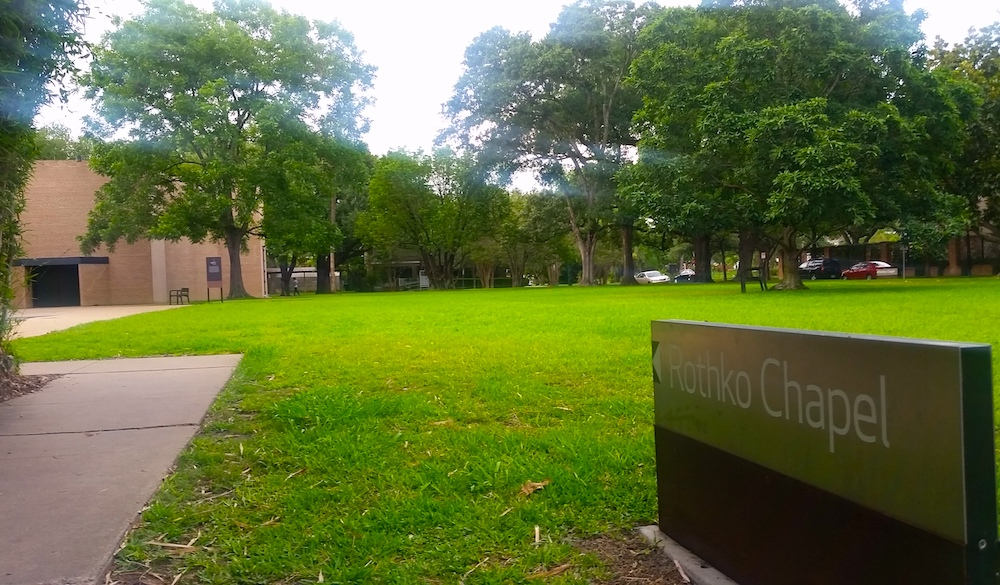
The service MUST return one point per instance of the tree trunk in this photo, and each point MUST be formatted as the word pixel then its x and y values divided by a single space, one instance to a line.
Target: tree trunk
pixel 323 274
pixel 440 269
pixel 628 270
pixel 553 273
pixel 703 258
pixel 747 245
pixel 486 273
pixel 517 263
pixel 234 245
pixel 287 268
pixel 967 265
pixel 722 253
pixel 788 252
pixel 585 244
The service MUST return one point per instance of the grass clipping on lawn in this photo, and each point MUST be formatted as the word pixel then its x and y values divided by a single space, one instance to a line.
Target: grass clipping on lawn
pixel 397 437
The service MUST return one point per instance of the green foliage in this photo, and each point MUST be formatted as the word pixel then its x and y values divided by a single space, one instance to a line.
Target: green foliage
pixel 385 437
pixel 56 142
pixel 301 174
pixel 38 41
pixel 793 120
pixel 201 93
pixel 535 236
pixel 557 106
pixel 976 62
pixel 439 206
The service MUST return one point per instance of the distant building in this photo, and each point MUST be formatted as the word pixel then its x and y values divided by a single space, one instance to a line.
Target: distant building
pixel 53 272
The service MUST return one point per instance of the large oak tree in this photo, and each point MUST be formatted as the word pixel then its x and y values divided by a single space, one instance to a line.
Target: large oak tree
pixel 558 106
pixel 191 91
pixel 439 206
pixel 301 175
pixel 790 119
pixel 976 61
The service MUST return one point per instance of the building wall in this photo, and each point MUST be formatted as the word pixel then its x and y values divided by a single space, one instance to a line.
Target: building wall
pixel 58 198
pixel 95 284
pixel 185 267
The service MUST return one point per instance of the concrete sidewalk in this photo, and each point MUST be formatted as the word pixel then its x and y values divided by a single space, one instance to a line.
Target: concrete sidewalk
pixel 39 321
pixel 81 457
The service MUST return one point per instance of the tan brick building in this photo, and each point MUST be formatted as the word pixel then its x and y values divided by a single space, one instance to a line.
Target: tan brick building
pixel 55 273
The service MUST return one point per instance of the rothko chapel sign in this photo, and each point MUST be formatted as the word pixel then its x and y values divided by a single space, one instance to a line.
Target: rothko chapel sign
pixel 805 457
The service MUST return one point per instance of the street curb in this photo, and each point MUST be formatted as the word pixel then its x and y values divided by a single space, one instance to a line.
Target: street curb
pixel 698 571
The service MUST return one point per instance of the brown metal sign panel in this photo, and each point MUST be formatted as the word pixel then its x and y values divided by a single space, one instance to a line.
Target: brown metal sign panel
pixel 213 269
pixel 901 427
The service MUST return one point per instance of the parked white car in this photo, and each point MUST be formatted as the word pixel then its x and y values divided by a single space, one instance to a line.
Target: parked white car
pixel 651 277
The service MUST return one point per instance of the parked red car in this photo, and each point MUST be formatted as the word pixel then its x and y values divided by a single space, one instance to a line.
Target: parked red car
pixel 868 270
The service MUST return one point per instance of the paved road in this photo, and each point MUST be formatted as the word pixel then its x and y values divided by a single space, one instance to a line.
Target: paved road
pixel 46 320
pixel 81 457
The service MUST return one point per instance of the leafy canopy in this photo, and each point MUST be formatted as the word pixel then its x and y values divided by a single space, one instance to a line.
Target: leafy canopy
pixel 38 41
pixel 196 93
pixel 791 119
pixel 557 106
pixel 438 205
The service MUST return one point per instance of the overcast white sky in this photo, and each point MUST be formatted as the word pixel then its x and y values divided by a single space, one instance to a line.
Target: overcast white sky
pixel 418 47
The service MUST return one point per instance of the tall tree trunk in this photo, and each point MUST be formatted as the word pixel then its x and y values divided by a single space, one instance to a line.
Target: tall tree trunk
pixel 517 262
pixel 287 268
pixel 967 265
pixel 703 258
pixel 486 274
pixel 788 252
pixel 747 245
pixel 553 273
pixel 323 274
pixel 722 253
pixel 440 269
pixel 628 270
pixel 234 245
pixel 585 244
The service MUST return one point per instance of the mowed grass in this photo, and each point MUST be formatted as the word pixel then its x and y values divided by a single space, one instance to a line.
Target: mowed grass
pixel 386 438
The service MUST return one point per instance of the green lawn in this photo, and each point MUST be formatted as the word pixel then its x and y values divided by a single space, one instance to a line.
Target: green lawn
pixel 386 437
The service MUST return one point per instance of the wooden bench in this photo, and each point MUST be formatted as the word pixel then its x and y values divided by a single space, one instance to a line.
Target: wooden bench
pixel 180 295
pixel 755 274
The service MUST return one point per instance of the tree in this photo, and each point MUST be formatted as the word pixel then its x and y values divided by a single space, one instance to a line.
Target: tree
pixel 193 89
pixel 486 254
pixel 558 107
pixel 350 204
pixel 532 233
pixel 438 205
pixel 37 46
pixel 56 142
pixel 301 173
pixel 976 62
pixel 790 119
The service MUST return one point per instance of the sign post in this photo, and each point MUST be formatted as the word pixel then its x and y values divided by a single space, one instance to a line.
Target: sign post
pixel 213 275
pixel 788 457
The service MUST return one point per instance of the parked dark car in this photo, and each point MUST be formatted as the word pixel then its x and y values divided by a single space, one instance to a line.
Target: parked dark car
pixel 686 275
pixel 820 268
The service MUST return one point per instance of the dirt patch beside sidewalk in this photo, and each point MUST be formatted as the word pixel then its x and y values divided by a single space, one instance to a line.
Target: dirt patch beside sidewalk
pixel 13 385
